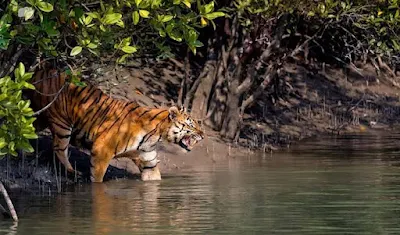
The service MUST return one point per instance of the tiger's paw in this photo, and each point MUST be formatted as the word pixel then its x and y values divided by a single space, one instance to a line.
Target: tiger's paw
pixel 150 174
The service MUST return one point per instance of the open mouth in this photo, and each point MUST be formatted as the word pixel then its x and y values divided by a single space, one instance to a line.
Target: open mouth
pixel 187 142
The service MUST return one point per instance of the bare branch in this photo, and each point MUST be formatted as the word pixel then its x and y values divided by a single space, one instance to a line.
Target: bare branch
pixel 246 84
pixel 48 105
pixel 185 79
pixel 9 66
pixel 9 202
pixel 177 63
pixel 385 66
pixel 265 56
pixel 270 74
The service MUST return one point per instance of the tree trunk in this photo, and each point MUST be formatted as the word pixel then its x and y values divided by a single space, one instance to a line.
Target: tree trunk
pixel 185 82
pixel 217 103
pixel 200 91
pixel 232 118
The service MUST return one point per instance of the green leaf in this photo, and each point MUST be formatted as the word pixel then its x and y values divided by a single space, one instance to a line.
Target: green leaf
pixel 214 15
pixel 129 49
pixel 27 76
pixel 175 35
pixel 193 49
pixel 92 46
pixel 88 19
pixel 137 2
pixel 176 2
pixel 13 153
pixel 126 41
pixel 76 50
pixel 311 14
pixel 162 33
pixel 135 17
pixel 396 45
pixel 192 36
pixel 94 52
pixel 112 18
pixel 45 6
pixel 3 96
pixel 11 146
pixel 187 3
pixel 94 15
pixel 156 4
pixel 122 59
pixel 31 2
pixel 120 23
pixel 28 13
pixel 13 33
pixel 167 18
pixel 21 68
pixel 170 27
pixel 30 135
pixel 144 13
pixel 40 16
pixel 208 7
pixel 28 85
pixel 2 143
pixel 197 43
pixel 76 81
pixel 25 145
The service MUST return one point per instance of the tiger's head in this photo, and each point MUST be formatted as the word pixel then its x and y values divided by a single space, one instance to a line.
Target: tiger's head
pixel 184 130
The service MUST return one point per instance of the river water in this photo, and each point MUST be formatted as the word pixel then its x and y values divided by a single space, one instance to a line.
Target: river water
pixel 342 185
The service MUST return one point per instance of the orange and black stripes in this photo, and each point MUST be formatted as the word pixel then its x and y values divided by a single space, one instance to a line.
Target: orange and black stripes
pixel 85 116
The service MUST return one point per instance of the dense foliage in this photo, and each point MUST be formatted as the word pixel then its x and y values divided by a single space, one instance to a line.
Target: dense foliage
pixel 16 125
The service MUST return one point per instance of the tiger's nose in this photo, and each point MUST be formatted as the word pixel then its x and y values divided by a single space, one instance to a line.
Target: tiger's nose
pixel 201 134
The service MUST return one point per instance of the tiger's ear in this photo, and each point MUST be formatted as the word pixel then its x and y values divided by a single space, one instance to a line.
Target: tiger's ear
pixel 173 112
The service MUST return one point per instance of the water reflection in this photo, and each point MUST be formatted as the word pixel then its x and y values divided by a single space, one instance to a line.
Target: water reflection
pixel 346 185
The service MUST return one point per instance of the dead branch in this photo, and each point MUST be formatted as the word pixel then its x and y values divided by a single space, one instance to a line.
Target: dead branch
pixel 185 79
pixel 385 66
pixel 9 202
pixel 10 64
pixel 265 56
pixel 177 63
pixel 48 105
pixel 270 74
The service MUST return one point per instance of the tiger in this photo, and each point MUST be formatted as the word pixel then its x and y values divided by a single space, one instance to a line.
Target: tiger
pixel 86 117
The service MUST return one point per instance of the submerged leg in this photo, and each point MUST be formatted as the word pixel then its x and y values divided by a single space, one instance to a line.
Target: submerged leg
pixel 147 162
pixel 149 174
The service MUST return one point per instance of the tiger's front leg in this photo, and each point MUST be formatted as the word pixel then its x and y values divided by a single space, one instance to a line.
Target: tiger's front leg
pixel 100 160
pixel 147 162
